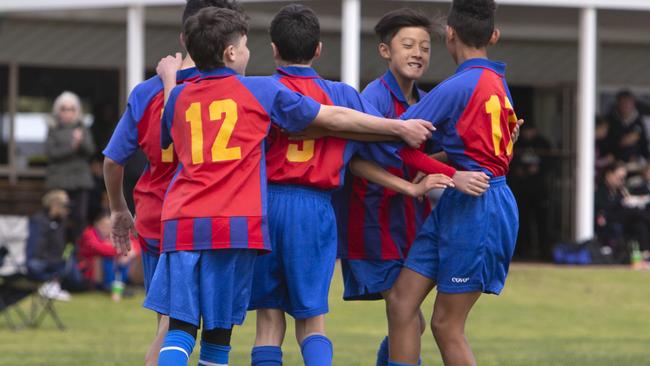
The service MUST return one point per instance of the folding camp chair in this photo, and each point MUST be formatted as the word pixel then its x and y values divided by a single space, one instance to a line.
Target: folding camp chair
pixel 15 282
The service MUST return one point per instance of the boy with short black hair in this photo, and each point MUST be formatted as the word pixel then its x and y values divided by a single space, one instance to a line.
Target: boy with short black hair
pixel 296 276
pixel 465 246
pixel 139 128
pixel 375 238
pixel 214 216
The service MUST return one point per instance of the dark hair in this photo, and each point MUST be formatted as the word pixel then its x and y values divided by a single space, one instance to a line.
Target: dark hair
pixel 611 168
pixel 601 120
pixel 193 6
pixel 102 214
pixel 473 21
pixel 391 23
pixel 295 31
pixel 624 94
pixel 209 32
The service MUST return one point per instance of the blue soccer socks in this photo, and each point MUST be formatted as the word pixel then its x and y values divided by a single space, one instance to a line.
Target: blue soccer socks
pixel 382 353
pixel 213 354
pixel 317 350
pixel 176 349
pixel 266 356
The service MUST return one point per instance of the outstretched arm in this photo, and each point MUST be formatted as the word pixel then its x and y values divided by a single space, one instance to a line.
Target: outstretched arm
pixel 121 219
pixel 338 119
pixel 313 132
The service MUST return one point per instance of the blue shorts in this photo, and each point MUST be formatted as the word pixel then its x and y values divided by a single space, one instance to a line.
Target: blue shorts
pixel 149 262
pixel 467 242
pixel 213 285
pixel 366 279
pixel 295 277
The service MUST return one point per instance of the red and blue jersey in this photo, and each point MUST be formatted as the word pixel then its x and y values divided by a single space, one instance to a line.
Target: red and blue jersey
pixel 218 123
pixel 139 127
pixel 474 117
pixel 376 222
pixel 385 94
pixel 318 163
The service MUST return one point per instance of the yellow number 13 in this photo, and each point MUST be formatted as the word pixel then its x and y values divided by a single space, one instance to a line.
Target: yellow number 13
pixel 493 108
pixel 225 110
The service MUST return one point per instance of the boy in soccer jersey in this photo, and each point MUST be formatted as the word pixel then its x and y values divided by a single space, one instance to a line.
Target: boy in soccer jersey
pixel 214 214
pixel 139 127
pixel 302 176
pixel 377 225
pixel 465 246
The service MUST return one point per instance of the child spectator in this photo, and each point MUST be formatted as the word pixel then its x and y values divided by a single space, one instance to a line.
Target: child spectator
pixel 46 243
pixel 98 259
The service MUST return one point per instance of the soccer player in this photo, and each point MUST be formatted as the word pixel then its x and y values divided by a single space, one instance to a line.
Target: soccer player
pixel 139 127
pixel 214 219
pixel 465 246
pixel 302 176
pixel 376 234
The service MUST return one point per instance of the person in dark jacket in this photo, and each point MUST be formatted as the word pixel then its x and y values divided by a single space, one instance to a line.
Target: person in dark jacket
pixel 619 215
pixel 46 243
pixel 69 146
pixel 627 132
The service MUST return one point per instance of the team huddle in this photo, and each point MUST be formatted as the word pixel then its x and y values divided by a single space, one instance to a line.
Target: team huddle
pixel 256 185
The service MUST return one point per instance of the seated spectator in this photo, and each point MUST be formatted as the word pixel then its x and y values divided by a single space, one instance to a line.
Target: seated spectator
pixel 618 214
pixel 627 132
pixel 97 257
pixel 46 243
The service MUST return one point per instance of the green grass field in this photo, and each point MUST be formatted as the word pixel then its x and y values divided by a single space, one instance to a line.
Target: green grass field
pixel 546 316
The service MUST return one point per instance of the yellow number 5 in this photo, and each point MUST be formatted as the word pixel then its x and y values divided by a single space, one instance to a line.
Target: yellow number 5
pixel 220 150
pixel 297 155
pixel 493 108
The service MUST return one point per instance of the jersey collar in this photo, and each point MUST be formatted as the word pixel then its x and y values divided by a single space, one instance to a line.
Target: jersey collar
pixel 187 74
pixel 219 72
pixel 298 72
pixel 389 81
pixel 472 63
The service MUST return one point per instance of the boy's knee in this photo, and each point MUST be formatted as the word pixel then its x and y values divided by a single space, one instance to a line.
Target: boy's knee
pixel 423 323
pixel 445 330
pixel 399 308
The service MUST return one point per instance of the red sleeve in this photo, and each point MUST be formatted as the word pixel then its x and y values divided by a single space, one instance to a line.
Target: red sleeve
pixel 93 245
pixel 418 160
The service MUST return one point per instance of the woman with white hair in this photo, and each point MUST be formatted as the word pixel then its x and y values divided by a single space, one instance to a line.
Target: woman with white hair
pixel 68 147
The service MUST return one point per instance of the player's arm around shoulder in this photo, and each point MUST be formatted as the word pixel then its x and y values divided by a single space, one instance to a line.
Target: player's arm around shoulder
pixel 345 119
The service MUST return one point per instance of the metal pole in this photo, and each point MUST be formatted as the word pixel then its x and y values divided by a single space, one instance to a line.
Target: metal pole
pixel 584 209
pixel 134 46
pixel 350 42
pixel 13 108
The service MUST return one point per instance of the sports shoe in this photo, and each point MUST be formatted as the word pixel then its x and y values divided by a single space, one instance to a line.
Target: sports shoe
pixel 52 290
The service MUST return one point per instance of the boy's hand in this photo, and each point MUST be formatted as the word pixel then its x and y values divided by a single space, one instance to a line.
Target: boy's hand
pixel 515 132
pixel 429 182
pixel 415 131
pixel 168 66
pixel 121 228
pixel 418 177
pixel 472 183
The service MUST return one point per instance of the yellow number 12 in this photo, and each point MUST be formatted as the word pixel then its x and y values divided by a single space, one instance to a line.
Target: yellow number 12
pixel 493 108
pixel 225 110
